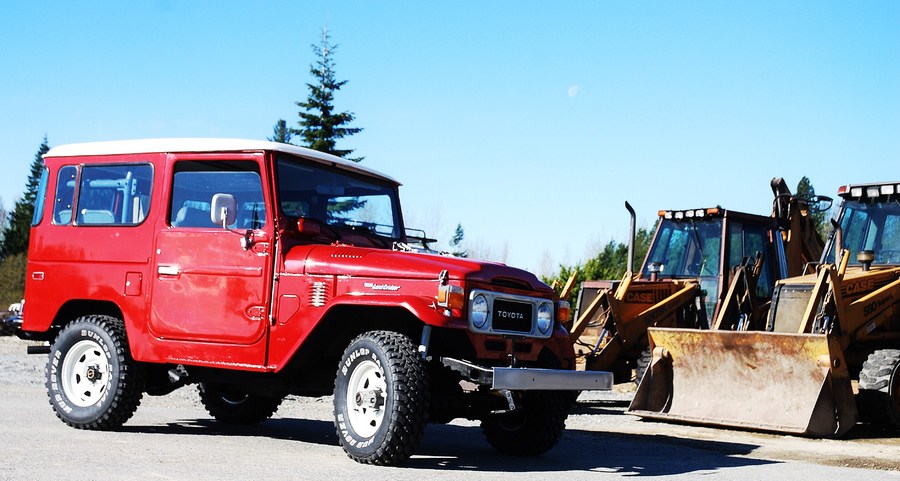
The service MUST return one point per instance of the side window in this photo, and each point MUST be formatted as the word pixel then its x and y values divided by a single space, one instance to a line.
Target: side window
pixel 40 199
pixel 194 184
pixel 65 195
pixel 746 241
pixel 114 194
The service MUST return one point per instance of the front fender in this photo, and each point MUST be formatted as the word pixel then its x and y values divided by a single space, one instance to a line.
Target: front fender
pixel 423 308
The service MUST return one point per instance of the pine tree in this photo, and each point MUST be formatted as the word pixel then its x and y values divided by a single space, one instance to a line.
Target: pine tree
pixel 320 125
pixel 281 132
pixel 456 242
pixel 806 193
pixel 15 235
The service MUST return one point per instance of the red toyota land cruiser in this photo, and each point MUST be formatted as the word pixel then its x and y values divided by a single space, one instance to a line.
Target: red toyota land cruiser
pixel 259 270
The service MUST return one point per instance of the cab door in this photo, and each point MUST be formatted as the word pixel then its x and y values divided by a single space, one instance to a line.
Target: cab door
pixel 212 283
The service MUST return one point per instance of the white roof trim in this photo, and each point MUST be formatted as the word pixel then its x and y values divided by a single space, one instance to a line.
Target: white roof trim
pixel 174 145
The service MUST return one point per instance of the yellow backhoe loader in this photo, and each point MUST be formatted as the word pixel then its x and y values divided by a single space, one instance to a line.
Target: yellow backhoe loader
pixel 837 324
pixel 698 258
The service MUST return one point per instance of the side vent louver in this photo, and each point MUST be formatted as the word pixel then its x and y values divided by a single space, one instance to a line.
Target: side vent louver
pixel 318 294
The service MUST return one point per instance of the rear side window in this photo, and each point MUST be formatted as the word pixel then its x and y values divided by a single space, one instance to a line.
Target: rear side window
pixel 195 183
pixel 114 194
pixel 40 199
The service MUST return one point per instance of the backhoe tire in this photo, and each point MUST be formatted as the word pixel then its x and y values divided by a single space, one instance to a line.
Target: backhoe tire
pixel 642 365
pixel 92 381
pixel 879 389
pixel 234 407
pixel 381 398
pixel 534 428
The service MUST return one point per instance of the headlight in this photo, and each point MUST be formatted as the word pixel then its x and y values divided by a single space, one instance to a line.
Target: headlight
pixel 545 317
pixel 479 311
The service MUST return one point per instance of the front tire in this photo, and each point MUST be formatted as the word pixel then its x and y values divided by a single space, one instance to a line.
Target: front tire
pixel 381 398
pixel 534 428
pixel 879 389
pixel 92 381
pixel 234 407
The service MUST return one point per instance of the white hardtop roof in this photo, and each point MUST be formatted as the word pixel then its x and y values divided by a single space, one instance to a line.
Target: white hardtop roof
pixel 146 146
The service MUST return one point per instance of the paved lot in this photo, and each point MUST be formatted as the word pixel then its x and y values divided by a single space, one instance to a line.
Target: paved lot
pixel 172 437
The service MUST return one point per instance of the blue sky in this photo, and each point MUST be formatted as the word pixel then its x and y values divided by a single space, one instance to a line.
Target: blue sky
pixel 528 122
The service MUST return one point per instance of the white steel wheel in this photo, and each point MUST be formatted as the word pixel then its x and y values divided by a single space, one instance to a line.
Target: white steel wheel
pixel 92 381
pixel 381 398
pixel 85 373
pixel 366 396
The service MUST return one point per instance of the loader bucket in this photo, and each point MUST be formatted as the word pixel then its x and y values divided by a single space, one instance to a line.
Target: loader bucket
pixel 788 383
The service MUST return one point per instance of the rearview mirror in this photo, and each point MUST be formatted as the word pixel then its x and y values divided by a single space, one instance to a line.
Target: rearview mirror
pixel 223 211
pixel 820 203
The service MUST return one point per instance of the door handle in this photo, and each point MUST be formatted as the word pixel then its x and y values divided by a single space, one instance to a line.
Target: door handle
pixel 168 270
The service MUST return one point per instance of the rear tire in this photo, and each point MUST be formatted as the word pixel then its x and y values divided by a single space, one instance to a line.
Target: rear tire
pixel 92 381
pixel 381 398
pixel 879 389
pixel 235 407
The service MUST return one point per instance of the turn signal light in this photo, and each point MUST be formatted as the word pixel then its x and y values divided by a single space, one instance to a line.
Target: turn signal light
pixel 563 311
pixel 451 297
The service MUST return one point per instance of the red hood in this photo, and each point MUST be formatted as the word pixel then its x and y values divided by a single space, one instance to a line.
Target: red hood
pixel 381 263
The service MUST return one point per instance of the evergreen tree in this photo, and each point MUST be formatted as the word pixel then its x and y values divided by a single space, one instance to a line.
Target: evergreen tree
pixel 281 132
pixel 15 235
pixel 456 242
pixel 320 125
pixel 806 193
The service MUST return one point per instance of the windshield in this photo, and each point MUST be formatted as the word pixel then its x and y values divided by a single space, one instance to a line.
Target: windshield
pixel 686 249
pixel 338 199
pixel 874 227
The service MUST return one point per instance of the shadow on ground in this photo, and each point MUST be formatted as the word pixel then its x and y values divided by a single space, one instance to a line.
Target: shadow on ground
pixel 463 448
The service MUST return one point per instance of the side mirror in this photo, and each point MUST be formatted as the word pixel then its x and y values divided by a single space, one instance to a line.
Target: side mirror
pixel 821 203
pixel 223 210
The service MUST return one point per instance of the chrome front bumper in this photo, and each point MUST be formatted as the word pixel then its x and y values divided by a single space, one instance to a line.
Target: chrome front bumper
pixel 531 379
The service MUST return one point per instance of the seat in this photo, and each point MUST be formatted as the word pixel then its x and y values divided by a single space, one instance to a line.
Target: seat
pixel 94 216
pixel 189 216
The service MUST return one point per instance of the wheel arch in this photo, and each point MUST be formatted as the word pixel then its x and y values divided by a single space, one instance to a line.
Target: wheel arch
pixel 74 309
pixel 313 364
pixel 344 322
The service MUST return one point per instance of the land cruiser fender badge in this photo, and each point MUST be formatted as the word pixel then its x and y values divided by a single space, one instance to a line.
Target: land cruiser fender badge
pixel 381 287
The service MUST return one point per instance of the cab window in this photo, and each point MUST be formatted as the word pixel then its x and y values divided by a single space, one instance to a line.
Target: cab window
pixel 195 183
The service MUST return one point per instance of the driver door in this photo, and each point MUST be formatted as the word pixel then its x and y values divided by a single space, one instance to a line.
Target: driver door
pixel 210 286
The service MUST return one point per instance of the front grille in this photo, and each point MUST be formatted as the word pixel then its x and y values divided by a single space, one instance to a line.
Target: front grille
pixel 501 313
pixel 511 316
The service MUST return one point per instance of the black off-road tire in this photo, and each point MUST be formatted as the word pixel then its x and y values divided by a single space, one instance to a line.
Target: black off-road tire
pixel 642 365
pixel 879 389
pixel 234 407
pixel 533 429
pixel 381 398
pixel 92 381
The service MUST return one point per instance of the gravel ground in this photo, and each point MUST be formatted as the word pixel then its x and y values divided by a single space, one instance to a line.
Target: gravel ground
pixel 172 437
